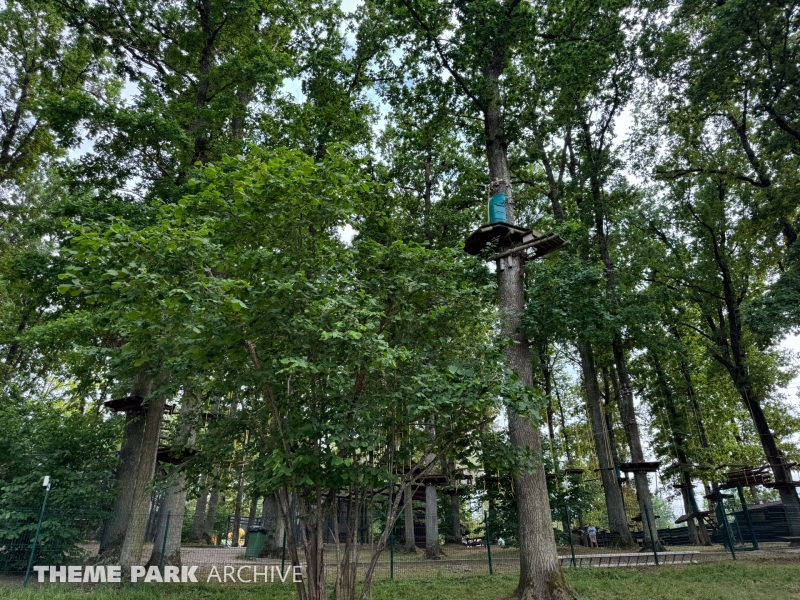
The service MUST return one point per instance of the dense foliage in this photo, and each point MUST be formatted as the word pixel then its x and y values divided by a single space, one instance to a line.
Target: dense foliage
pixel 257 209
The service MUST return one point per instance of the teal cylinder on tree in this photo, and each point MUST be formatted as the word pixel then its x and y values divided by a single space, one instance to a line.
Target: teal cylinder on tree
pixel 497 208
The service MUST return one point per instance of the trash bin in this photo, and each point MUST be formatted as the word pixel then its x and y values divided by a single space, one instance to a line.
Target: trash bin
pixel 256 536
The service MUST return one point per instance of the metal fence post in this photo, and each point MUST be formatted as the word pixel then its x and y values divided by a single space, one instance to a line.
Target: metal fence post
pixel 391 555
pixel 38 529
pixel 569 533
pixel 650 528
pixel 747 517
pixel 164 544
pixel 722 520
pixel 283 552
pixel 488 542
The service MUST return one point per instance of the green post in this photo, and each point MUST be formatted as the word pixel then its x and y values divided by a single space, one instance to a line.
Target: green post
pixel 650 529
pixel 164 544
pixel 38 529
pixel 283 552
pixel 722 519
pixel 488 542
pixel 391 555
pixel 747 517
pixel 569 533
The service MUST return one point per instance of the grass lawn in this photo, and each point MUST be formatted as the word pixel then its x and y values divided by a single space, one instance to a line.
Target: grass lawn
pixel 742 580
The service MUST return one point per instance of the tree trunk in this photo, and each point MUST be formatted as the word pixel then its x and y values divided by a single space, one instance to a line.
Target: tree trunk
pixel 114 529
pixel 548 393
pixel 199 520
pixel 697 534
pixel 449 467
pixel 775 458
pixel 271 519
pixel 211 515
pixel 432 548
pixel 251 517
pixel 410 544
pixel 609 414
pixel 694 537
pixel 631 427
pixel 237 511
pixel 540 575
pixel 455 516
pixel 131 552
pixel 567 449
pixel 173 507
pixel 156 502
pixel 617 519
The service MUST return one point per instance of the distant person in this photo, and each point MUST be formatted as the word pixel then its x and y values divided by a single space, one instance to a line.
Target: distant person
pixel 592 532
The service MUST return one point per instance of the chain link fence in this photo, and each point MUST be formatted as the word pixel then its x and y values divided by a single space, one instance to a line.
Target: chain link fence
pixel 478 544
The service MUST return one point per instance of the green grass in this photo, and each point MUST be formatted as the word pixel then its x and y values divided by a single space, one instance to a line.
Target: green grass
pixel 742 580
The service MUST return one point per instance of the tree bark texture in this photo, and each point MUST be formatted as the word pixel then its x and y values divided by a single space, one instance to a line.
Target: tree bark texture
pixel 131 552
pixel 541 577
pixel 455 516
pixel 251 517
pixel 432 548
pixel 272 520
pixel 174 505
pixel 114 529
pixel 631 427
pixel 237 511
pixel 410 545
pixel 199 520
pixel 211 515
pixel 617 519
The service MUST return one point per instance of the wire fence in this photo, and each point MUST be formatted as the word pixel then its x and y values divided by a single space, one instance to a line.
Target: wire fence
pixel 240 550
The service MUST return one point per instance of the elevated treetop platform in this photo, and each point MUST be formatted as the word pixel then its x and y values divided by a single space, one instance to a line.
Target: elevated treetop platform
pixel 638 518
pixel 133 403
pixel 782 484
pixel 702 514
pixel 717 495
pixel 640 467
pixel 745 476
pixel 493 479
pixel 503 239
pixel 433 478
pixel 169 456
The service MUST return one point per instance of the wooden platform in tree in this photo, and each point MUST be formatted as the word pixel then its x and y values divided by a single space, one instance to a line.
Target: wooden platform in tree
pixel 717 495
pixel 746 476
pixel 434 480
pixel 702 514
pixel 433 477
pixel 782 484
pixel 640 467
pixel 492 479
pixel 493 236
pixel 638 518
pixel 505 239
pixel 132 403
pixel 166 455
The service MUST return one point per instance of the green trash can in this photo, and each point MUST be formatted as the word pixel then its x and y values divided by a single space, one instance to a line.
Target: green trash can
pixel 256 536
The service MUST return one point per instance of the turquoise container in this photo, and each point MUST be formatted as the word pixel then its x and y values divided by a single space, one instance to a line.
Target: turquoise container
pixel 497 208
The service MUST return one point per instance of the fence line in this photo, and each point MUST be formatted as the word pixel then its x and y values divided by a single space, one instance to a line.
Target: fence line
pixel 73 538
